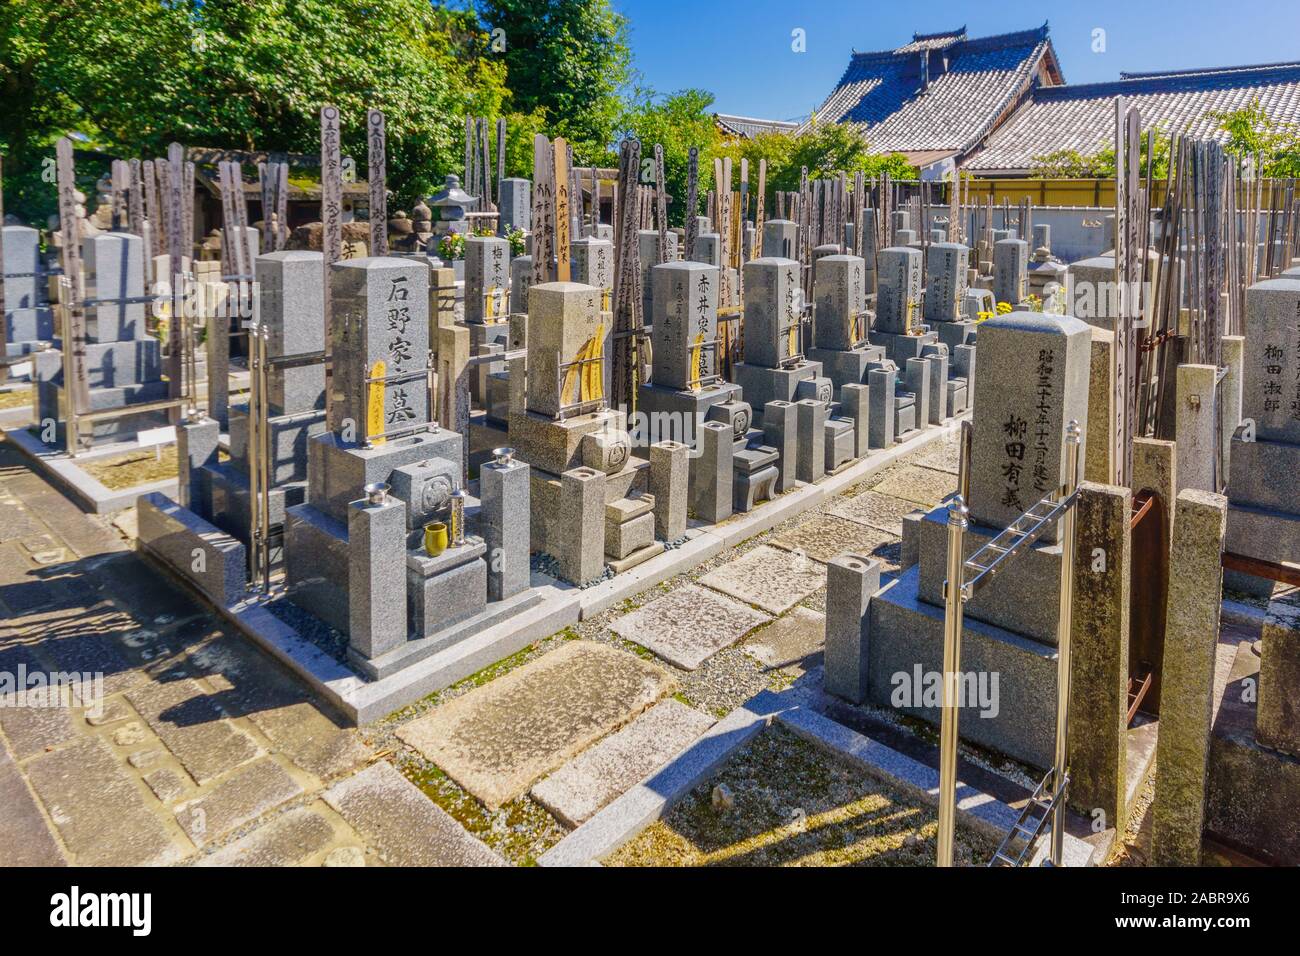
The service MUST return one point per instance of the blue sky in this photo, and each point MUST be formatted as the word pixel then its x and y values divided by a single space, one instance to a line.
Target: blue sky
pixel 740 50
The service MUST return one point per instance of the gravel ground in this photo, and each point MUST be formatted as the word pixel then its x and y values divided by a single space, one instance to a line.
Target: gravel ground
pixel 788 803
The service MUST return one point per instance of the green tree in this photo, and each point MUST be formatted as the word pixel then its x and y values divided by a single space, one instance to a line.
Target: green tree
pixel 569 59
pixel 1252 135
pixel 133 75
pixel 677 122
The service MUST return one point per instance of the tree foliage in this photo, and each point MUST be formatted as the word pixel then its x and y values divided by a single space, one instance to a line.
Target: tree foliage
pixel 677 122
pixel 568 59
pixel 1252 135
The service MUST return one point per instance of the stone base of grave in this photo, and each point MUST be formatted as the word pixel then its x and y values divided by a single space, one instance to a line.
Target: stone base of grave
pixel 1253 793
pixel 761 385
pixel 29 325
pixel 1010 630
pixel 316 564
pixel 899 347
pixel 556 446
pixel 674 414
pixel 337 471
pixel 639 556
pixel 496 399
pixel 203 554
pixel 905 424
pixel 289 438
pixel 1263 533
pixel 418 649
pixel 226 501
pixel 904 636
pixel 839 444
pixel 445 589
pixel 953 334
pixel 847 368
pixel 49 399
pixel 629 482
pixel 957 396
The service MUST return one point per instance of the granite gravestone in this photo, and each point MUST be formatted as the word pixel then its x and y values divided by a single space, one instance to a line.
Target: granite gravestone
pixel 487 278
pixel 945 281
pixel 1010 270
pixel 1033 381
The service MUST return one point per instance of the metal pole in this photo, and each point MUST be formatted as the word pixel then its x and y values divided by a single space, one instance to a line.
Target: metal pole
pixel 1060 772
pixel 952 624
pixel 264 463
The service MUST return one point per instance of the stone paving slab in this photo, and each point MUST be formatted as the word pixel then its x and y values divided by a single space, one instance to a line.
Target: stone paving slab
pixel 25 839
pixel 587 783
pixel 944 455
pixel 793 641
pixel 925 486
pixel 823 537
pixel 874 510
pixel 193 727
pixel 766 577
pixel 688 625
pixel 287 840
pixel 404 826
pixel 498 739
pixel 100 812
pixel 243 796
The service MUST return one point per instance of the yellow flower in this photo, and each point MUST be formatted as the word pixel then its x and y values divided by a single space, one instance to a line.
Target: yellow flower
pixel 1004 308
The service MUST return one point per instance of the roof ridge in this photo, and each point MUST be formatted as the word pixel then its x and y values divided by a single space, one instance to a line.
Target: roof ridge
pixel 1137 83
pixel 1204 70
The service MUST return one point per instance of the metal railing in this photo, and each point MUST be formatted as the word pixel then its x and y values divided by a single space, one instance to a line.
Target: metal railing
pixel 964 579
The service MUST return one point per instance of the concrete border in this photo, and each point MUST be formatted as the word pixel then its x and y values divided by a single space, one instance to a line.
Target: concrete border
pixel 66 473
pixel 624 818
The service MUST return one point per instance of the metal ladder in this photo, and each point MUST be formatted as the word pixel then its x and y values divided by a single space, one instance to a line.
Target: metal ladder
pixel 1028 827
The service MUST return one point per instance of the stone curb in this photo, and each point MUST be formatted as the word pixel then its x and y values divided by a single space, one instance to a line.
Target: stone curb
pixel 66 474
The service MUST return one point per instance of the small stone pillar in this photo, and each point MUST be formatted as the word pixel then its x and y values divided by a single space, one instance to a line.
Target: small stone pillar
pixel 851 580
pixel 937 356
pixel 505 526
pixel 711 473
pixel 880 428
pixel 670 484
pixel 1099 662
pixel 1230 392
pixel 582 515
pixel 917 379
pixel 1099 463
pixel 376 575
pixel 781 431
pixel 196 447
pixel 855 399
pixel 1187 678
pixel 1194 426
pixel 810 463
pixel 1277 720
pixel 218 364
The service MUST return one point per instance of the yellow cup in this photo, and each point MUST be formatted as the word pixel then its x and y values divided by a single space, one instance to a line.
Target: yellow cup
pixel 435 538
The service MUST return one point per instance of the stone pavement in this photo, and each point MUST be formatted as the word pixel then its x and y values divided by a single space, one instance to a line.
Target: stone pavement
pixel 207 752
pixel 200 750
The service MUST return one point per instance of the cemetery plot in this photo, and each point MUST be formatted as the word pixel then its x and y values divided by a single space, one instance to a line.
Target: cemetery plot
pixel 784 802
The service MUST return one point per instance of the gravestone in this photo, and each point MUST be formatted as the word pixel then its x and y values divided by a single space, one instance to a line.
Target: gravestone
pixel 27 315
pixel 516 205
pixel 779 239
pixel 592 263
pixel 1010 270
pixel 123 361
pixel 945 281
pixel 842 321
pixel 1033 381
pixel 898 328
pixel 1263 509
pixel 487 279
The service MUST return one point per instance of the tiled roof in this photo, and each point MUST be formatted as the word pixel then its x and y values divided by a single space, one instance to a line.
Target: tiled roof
pixel 749 127
pixel 1082 117
pixel 983 78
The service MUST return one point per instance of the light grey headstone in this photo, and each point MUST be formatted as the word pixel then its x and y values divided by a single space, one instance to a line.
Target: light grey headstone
pixel 1010 270
pixel 592 263
pixel 945 281
pixel 898 289
pixel 1033 380
pixel 521 277
pixel 685 323
pixel 840 296
pixel 708 249
pixel 114 264
pixel 293 310
pixel 379 311
pixel 772 300
pixel 1271 379
pixel 779 237
pixel 487 273
pixel 516 204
